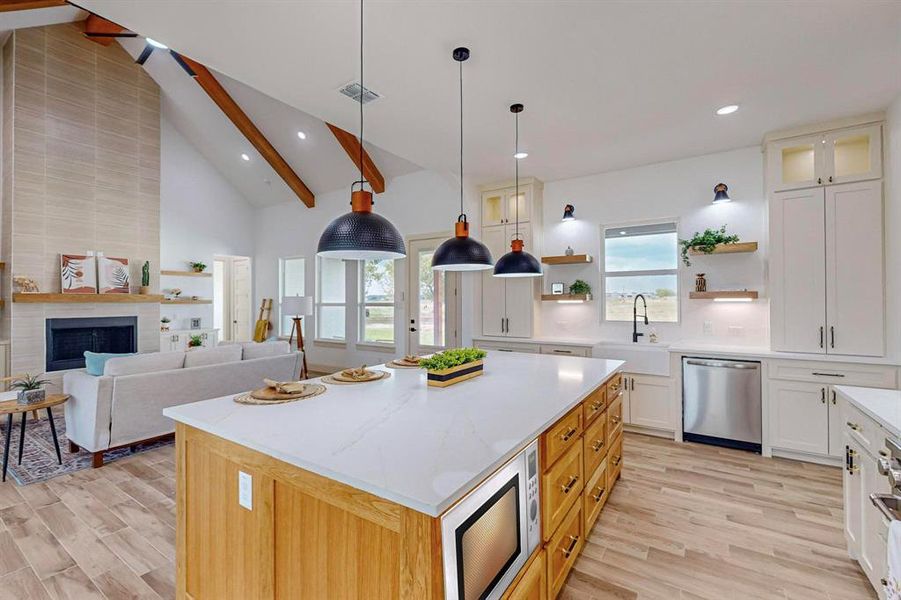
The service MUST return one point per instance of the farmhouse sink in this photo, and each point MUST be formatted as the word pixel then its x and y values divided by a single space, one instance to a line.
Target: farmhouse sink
pixel 645 359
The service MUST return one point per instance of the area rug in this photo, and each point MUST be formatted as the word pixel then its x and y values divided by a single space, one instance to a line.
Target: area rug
pixel 39 456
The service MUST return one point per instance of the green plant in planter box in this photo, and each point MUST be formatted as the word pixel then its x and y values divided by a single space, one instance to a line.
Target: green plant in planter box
pixel 195 341
pixel 706 242
pixel 30 390
pixel 579 287
pixel 452 358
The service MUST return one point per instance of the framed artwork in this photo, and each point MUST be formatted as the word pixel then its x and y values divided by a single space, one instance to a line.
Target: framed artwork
pixel 112 275
pixel 78 274
pixel 557 289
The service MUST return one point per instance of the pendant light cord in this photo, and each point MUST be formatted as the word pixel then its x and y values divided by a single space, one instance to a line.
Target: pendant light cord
pixel 516 162
pixel 462 214
pixel 362 91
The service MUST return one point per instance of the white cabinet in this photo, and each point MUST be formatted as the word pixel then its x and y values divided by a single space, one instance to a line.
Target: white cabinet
pixel 853 497
pixel 499 206
pixel 799 417
pixel 647 401
pixel 839 156
pixel 826 270
pixel 177 340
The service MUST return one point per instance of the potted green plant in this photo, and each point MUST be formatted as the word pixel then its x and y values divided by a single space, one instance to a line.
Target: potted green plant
pixel 580 287
pixel 198 267
pixel 706 242
pixel 164 323
pixel 453 366
pixel 195 341
pixel 145 278
pixel 30 390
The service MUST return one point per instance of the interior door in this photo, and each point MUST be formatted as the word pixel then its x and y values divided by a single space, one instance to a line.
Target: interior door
pixel 494 290
pixel 434 301
pixel 520 292
pixel 854 282
pixel 797 270
pixel 241 309
pixel 799 417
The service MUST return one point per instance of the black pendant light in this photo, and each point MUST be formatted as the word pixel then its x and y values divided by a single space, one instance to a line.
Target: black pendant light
pixel 361 234
pixel 461 252
pixel 517 262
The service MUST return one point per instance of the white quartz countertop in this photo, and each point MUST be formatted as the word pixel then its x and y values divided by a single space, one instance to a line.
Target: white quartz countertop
pixel 401 440
pixel 701 347
pixel 884 406
pixel 557 341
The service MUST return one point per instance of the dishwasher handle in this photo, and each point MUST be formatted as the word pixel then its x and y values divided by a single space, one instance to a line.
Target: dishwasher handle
pixel 722 364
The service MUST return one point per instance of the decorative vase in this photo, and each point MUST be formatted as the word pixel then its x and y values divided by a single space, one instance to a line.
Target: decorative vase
pixel 700 283
pixel 569 251
pixel 446 377
pixel 31 396
pixel 164 327
pixel 144 290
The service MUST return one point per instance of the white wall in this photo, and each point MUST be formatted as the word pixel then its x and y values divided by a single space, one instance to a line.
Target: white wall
pixel 892 173
pixel 419 203
pixel 683 190
pixel 201 215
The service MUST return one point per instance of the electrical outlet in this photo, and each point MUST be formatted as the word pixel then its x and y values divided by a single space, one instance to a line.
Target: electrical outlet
pixel 245 490
pixel 708 327
pixel 736 330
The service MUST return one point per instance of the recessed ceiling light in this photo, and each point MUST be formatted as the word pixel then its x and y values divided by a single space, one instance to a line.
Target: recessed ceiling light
pixel 245 157
pixel 301 135
pixel 520 155
pixel 156 44
pixel 727 110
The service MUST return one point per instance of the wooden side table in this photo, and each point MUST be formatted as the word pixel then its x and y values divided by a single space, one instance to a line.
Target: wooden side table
pixel 11 408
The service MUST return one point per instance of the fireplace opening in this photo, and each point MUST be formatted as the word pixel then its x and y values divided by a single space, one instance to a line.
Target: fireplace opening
pixel 67 339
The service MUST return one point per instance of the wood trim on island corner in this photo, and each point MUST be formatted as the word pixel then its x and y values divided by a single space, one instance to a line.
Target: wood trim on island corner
pixel 351 145
pixel 236 115
pixel 13 5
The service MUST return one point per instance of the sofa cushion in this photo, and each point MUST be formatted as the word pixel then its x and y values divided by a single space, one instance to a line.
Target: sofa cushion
pixel 212 356
pixel 144 363
pixel 262 350
pixel 95 362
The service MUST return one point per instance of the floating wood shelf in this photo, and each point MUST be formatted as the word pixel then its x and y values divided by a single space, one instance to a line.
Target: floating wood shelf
pixel 565 297
pixel 49 298
pixel 186 273
pixel 186 301
pixel 726 294
pixel 728 249
pixel 575 259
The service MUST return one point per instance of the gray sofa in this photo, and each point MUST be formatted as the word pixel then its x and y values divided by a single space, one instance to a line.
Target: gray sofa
pixel 124 406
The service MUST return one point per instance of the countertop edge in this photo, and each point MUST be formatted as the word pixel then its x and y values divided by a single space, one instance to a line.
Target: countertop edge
pixel 847 392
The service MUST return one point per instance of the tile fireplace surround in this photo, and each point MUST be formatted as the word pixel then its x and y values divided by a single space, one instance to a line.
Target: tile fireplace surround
pixel 81 162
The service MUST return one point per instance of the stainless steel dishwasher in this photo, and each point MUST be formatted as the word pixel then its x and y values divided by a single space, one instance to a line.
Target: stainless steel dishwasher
pixel 721 402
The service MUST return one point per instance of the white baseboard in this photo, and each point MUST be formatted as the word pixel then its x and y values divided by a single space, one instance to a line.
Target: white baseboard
pixel 829 461
pixel 661 433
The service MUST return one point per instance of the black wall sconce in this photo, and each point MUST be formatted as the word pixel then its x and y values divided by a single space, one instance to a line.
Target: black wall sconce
pixel 569 212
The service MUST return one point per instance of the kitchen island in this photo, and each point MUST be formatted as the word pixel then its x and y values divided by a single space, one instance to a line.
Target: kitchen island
pixel 341 494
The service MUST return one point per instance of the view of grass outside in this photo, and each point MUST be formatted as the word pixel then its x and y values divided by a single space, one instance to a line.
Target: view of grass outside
pixel 431 309
pixel 641 259
pixel 378 301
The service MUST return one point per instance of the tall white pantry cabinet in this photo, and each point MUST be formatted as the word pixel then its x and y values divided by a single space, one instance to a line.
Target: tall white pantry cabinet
pixel 826 242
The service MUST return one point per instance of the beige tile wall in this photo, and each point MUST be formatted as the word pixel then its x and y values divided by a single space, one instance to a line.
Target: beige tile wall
pixel 85 171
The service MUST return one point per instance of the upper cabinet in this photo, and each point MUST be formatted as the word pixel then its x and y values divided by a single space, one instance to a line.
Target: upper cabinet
pixel 837 156
pixel 499 206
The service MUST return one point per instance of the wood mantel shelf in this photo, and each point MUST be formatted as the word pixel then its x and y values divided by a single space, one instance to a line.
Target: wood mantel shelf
pixel 574 259
pixel 186 273
pixel 727 249
pixel 724 294
pixel 565 297
pixel 51 298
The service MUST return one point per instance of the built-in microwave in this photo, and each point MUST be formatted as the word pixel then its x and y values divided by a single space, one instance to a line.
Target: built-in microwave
pixel 488 536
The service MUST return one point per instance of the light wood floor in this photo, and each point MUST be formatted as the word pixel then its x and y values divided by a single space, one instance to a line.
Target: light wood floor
pixel 685 521
pixel 694 522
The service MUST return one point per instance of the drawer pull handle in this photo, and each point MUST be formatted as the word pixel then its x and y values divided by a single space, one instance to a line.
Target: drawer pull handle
pixel 563 351
pixel 596 406
pixel 573 540
pixel 597 497
pixel 573 480
pixel 827 374
pixel 566 436
pixel 617 460
pixel 598 445
pixel 615 419
pixel 853 426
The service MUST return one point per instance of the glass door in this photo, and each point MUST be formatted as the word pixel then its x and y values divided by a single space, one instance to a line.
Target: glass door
pixel 434 313
pixel 854 154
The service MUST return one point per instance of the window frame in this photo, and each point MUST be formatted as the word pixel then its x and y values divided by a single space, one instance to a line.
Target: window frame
pixel 641 272
pixel 319 304
pixel 362 305
pixel 281 292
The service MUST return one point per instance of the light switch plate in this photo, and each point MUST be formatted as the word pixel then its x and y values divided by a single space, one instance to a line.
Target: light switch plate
pixel 245 490
pixel 708 327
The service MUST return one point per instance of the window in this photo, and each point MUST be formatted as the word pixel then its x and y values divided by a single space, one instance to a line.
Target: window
pixel 641 259
pixel 330 299
pixel 377 301
pixel 290 283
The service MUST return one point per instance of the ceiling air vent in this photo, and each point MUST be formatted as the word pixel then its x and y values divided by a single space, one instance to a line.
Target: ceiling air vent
pixel 352 91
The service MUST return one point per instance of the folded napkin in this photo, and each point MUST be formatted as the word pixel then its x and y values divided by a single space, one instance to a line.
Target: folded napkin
pixel 286 387
pixel 893 587
pixel 361 373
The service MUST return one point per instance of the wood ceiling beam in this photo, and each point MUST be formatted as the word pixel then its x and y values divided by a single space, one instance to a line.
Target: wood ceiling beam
pixel 12 5
pixel 351 145
pixel 224 101
pixel 104 32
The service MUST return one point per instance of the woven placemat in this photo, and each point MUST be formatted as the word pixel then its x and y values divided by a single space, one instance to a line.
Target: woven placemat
pixel 312 390
pixel 331 378
pixel 397 364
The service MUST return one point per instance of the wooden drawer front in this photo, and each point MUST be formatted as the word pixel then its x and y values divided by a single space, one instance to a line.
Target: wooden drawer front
pixel 614 386
pixel 563 549
pixel 594 405
pixel 595 496
pixel 560 488
pixel 562 436
pixel 614 417
pixel 566 350
pixel 881 376
pixel 614 462
pixel 594 444
pixel 532 584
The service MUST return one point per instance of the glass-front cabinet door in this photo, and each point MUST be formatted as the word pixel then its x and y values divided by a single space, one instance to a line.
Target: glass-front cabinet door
pixel 796 163
pixel 523 202
pixel 493 208
pixel 854 154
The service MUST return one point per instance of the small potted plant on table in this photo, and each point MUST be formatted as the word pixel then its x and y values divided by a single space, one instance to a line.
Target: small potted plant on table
pixel 195 341
pixel 164 324
pixel 30 389
pixel 198 267
pixel 453 366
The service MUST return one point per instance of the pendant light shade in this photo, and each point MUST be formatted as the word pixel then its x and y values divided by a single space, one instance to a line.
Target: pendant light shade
pixel 361 234
pixel 461 252
pixel 517 262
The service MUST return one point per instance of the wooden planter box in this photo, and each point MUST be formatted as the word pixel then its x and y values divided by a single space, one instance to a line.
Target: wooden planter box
pixel 446 377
